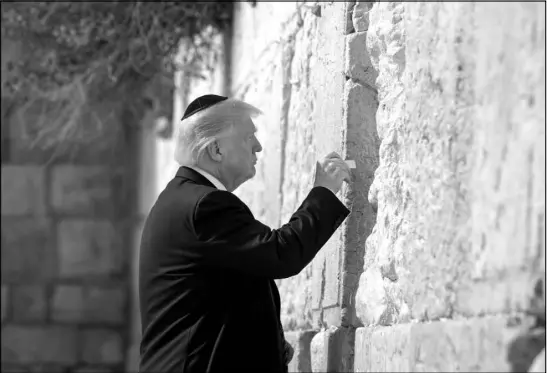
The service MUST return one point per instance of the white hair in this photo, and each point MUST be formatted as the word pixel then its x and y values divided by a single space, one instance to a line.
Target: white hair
pixel 196 132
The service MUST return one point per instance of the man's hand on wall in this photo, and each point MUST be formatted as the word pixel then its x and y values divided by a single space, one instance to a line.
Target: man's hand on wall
pixel 331 172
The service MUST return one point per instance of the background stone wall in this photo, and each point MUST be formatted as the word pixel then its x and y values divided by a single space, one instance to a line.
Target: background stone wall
pixel 67 218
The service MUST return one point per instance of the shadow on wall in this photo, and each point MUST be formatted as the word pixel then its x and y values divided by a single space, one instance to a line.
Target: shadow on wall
pixel 526 348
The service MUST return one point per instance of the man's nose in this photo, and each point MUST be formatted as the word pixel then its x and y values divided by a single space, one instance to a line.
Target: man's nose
pixel 258 147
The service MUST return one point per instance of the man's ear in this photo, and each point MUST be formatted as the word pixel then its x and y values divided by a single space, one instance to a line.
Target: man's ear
pixel 214 151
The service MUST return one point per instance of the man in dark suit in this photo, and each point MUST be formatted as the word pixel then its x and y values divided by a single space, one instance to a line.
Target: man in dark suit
pixel 208 298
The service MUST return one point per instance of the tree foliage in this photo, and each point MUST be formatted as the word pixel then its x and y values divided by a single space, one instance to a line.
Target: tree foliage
pixel 79 53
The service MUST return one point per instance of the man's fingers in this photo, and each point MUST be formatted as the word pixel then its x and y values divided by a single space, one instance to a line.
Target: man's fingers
pixel 340 164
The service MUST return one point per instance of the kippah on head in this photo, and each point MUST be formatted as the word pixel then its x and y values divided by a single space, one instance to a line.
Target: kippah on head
pixel 202 103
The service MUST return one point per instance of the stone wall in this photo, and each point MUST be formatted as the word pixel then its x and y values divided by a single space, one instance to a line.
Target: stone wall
pixel 68 215
pixel 442 105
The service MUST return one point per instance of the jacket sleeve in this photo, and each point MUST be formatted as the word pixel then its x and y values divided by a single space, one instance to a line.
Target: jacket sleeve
pixel 230 237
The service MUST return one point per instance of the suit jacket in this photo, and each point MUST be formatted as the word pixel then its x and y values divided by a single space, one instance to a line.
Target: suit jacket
pixel 207 297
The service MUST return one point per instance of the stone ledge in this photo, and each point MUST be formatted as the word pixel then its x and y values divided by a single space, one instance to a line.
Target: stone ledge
pixel 479 344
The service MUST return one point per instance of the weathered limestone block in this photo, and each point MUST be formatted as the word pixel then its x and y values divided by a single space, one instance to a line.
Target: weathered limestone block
pixel 332 350
pixel 301 342
pixel 28 253
pixel 357 61
pixel 81 190
pixel 480 344
pixel 256 29
pixel 102 346
pixel 360 15
pixel 89 247
pixel 72 303
pixel 23 190
pixel 39 344
pixel 29 303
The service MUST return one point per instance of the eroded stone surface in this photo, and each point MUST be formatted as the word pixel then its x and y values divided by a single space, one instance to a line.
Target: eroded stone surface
pixel 444 346
pixel 460 186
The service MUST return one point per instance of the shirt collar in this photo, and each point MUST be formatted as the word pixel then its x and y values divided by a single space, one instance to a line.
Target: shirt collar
pixel 209 177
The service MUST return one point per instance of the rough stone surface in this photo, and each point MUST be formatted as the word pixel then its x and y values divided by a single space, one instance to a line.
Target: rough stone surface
pixel 101 347
pixel 360 17
pixel 81 189
pixel 362 142
pixel 480 344
pixel 29 303
pixel 39 344
pixel 71 303
pixel 358 65
pixel 332 350
pixel 23 190
pixel 89 247
pixel 27 250
pixel 301 342
pixel 460 186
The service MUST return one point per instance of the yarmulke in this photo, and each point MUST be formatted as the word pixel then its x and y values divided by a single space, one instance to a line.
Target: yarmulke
pixel 202 103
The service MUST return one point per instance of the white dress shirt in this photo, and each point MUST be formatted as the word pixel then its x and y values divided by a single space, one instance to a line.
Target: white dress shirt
pixel 209 177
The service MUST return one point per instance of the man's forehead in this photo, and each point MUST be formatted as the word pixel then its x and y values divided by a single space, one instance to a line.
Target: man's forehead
pixel 250 125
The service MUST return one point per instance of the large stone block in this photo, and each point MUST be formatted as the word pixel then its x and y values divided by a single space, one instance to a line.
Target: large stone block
pixel 301 342
pixel 81 190
pixel 102 346
pixel 474 345
pixel 71 303
pixel 23 190
pixel 89 247
pixel 360 17
pixel 357 62
pixel 29 303
pixel 332 350
pixel 27 250
pixel 39 344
